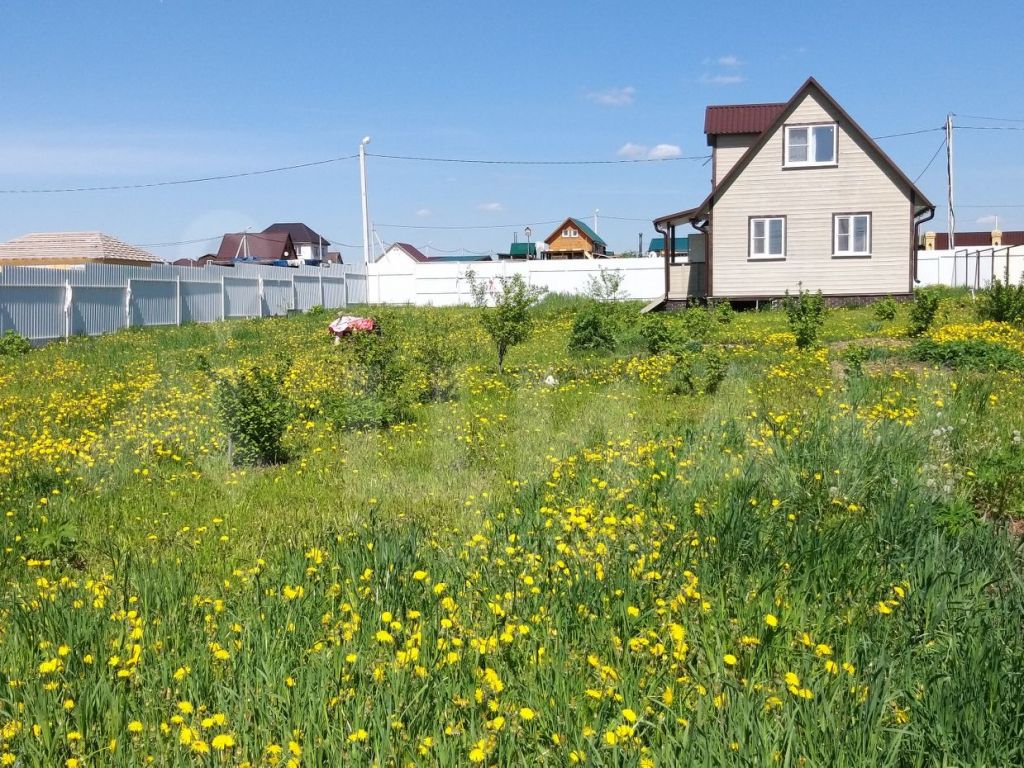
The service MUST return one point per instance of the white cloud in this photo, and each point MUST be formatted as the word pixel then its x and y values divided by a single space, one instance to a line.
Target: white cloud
pixel 664 151
pixel 424 213
pixel 613 97
pixel 632 151
pixel 728 61
pixel 991 220
pixel 721 79
pixel 491 207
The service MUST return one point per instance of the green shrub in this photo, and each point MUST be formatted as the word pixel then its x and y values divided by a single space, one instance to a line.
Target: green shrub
pixel 695 325
pixel 885 309
pixel 505 310
pixel 698 372
pixel 317 310
pixel 655 332
pixel 592 330
pixel 974 354
pixel 1002 302
pixel 923 311
pixel 256 413
pixel 724 313
pixel 854 358
pixel 436 357
pixel 387 394
pixel 13 344
pixel 806 314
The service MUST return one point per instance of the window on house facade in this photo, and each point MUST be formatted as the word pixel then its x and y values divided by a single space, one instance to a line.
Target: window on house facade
pixel 570 232
pixel 852 234
pixel 768 238
pixel 809 145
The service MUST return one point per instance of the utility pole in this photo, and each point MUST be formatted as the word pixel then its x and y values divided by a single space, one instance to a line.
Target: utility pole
pixel 640 244
pixel 362 191
pixel 595 220
pixel 950 216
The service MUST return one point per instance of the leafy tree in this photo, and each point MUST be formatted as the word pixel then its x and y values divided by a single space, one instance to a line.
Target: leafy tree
pixel 592 330
pixel 505 305
pixel 607 286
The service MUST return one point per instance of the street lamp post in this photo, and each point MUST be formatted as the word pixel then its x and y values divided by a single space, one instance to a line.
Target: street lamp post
pixel 528 232
pixel 362 190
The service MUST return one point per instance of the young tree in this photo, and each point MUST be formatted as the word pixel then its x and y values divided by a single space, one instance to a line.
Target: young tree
pixel 505 310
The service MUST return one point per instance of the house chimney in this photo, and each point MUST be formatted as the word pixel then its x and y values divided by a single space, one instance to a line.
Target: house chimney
pixel 929 241
pixel 997 238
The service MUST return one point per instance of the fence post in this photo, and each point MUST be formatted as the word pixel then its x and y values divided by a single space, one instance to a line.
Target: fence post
pixel 128 304
pixel 177 296
pixel 320 278
pixel 223 299
pixel 294 299
pixel 68 298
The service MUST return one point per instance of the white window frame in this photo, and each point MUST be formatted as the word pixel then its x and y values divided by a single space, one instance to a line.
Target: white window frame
pixel 810 162
pixel 767 255
pixel 850 250
pixel 570 232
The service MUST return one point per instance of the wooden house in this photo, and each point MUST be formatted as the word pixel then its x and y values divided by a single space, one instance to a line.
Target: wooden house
pixel 575 240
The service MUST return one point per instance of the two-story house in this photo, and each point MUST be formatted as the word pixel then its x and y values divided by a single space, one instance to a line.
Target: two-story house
pixel 575 240
pixel 800 196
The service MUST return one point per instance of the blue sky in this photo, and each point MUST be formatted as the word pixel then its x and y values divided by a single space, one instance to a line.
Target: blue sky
pixel 104 93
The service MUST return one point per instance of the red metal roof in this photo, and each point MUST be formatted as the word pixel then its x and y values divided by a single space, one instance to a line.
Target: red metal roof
pixel 265 246
pixel 740 118
pixel 976 239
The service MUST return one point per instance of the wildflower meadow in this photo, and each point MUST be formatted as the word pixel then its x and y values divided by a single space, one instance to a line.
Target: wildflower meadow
pixel 693 543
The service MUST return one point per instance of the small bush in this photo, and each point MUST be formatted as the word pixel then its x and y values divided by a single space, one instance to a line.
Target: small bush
pixel 695 325
pixel 698 372
pixel 13 344
pixel 387 388
pixel 806 314
pixel 923 311
pixel 854 359
pixel 885 309
pixel 1002 302
pixel 256 413
pixel 592 330
pixel 724 313
pixel 437 358
pixel 317 310
pixel 655 332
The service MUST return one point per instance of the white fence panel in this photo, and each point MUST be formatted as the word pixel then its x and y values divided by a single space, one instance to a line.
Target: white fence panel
pixel 975 268
pixel 153 302
pixel 98 309
pixel 34 311
pixel 277 296
pixel 200 302
pixel 334 292
pixel 241 297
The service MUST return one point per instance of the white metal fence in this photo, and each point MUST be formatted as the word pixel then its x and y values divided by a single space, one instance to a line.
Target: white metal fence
pixel 446 284
pixel 44 304
pixel 970 267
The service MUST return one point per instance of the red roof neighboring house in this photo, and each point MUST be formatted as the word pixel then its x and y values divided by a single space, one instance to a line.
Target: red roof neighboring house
pixel 977 239
pixel 249 246
pixel 740 118
pixel 299 232
pixel 187 263
pixel 412 252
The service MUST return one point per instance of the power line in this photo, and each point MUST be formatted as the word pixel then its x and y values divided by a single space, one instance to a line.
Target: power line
pixel 177 181
pixel 477 226
pixel 620 161
pixel 937 151
pixel 992 205
pixel 908 133
pixel 989 128
pixel 996 119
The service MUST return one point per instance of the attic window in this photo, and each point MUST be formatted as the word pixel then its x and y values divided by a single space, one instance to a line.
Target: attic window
pixel 810 145
pixel 570 232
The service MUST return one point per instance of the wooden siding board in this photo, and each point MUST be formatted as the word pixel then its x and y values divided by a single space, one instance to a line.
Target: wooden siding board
pixel 728 150
pixel 809 197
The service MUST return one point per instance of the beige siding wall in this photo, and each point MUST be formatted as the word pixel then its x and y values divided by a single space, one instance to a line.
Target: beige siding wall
pixel 808 197
pixel 685 280
pixel 729 149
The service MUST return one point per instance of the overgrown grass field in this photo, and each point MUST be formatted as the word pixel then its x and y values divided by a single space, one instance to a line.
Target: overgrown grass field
pixel 702 547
